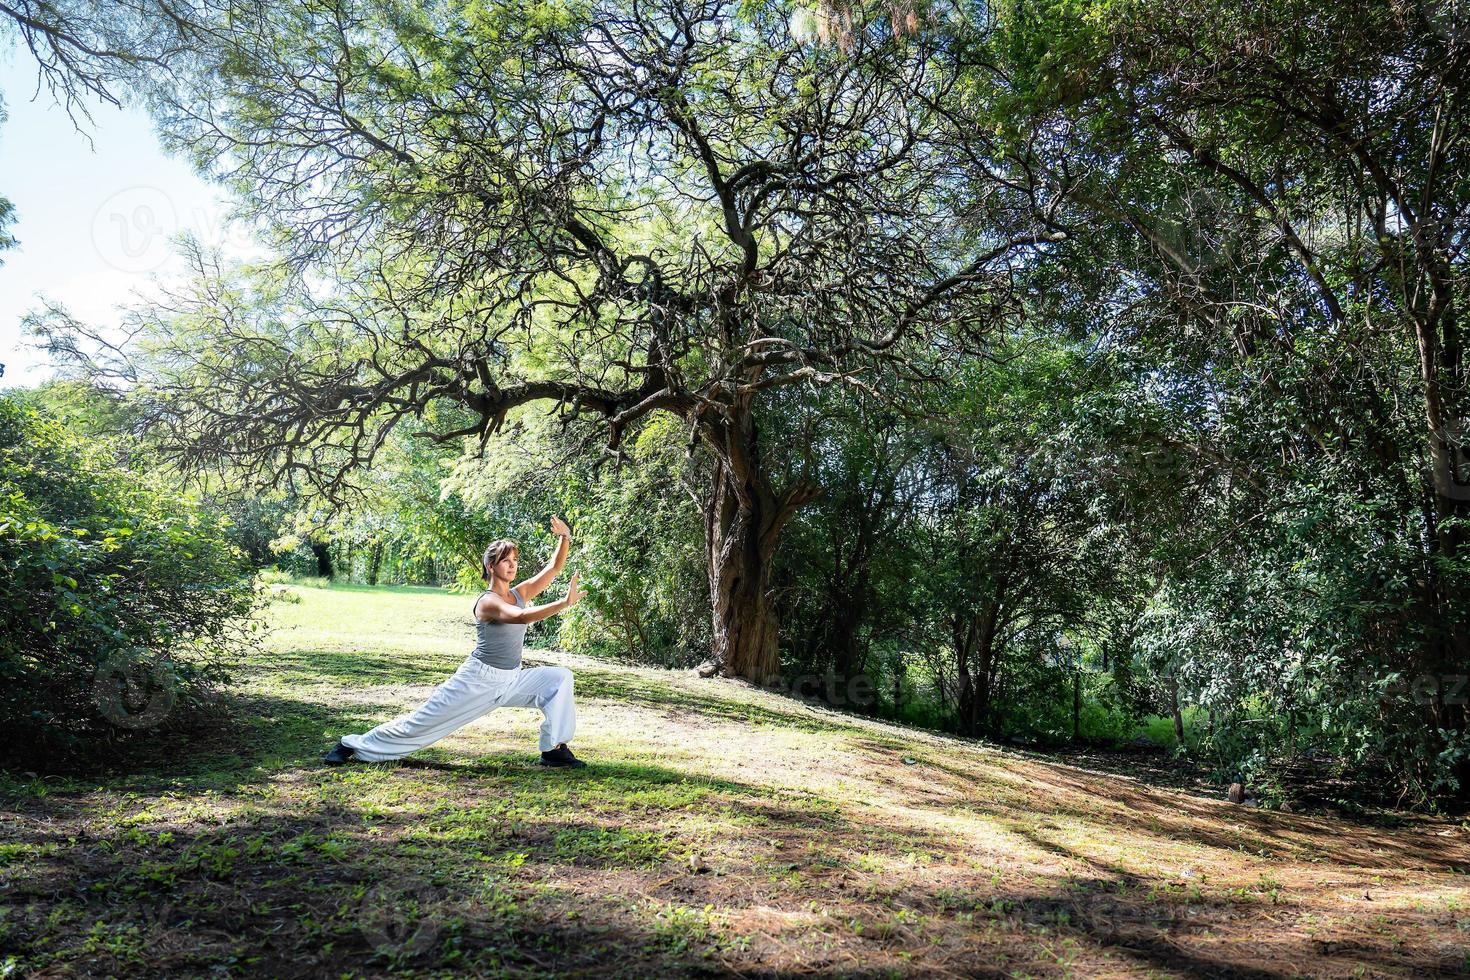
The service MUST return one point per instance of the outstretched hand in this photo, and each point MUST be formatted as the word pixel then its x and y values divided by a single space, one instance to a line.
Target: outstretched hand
pixel 574 594
pixel 559 527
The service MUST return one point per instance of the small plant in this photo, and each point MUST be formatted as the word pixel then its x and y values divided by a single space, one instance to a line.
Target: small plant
pixel 681 929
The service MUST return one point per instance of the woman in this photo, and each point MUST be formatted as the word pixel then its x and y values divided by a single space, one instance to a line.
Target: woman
pixel 492 676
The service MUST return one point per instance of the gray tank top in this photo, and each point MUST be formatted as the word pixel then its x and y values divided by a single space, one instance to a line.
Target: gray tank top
pixel 499 644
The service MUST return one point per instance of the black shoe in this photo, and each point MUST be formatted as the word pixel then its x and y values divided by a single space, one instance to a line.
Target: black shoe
pixel 339 755
pixel 561 758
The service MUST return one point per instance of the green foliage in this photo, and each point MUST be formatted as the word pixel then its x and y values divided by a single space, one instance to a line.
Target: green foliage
pixel 637 535
pixel 121 603
pixel 1303 535
pixel 641 558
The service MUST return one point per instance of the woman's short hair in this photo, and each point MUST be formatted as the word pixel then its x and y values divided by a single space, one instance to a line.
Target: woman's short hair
pixel 496 553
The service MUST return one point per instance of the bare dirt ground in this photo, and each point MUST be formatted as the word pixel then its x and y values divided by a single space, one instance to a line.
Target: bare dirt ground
pixel 719 830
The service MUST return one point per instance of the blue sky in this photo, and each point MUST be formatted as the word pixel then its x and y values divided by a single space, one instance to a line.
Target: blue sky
pixel 93 221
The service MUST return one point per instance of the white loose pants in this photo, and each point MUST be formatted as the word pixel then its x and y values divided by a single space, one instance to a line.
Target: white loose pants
pixel 475 689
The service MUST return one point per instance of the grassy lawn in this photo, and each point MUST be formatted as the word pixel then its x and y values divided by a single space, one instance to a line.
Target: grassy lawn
pixel 719 830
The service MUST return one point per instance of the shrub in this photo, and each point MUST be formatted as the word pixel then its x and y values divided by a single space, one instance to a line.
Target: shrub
pixel 120 602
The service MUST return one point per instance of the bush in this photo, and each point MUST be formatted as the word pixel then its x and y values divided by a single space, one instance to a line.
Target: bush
pixel 120 602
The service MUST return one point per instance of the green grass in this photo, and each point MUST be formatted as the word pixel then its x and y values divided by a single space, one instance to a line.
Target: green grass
pixel 1160 729
pixel 718 830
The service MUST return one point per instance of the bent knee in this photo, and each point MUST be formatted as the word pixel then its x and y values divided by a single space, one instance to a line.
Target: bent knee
pixel 563 676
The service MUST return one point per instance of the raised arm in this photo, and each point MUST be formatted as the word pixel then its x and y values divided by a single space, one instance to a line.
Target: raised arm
pixel 491 606
pixel 537 583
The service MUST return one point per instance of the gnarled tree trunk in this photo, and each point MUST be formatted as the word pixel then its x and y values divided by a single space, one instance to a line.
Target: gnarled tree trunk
pixel 743 519
pixel 745 625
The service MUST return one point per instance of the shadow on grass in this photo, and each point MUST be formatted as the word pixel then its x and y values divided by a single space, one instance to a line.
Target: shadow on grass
pixel 248 858
pixel 510 868
pixel 1150 930
pixel 496 875
pixel 1232 828
pixel 308 893
pixel 635 690
pixel 250 741
pixel 1035 790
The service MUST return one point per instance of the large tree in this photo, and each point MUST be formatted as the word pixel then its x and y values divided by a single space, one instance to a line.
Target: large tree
pixel 614 208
